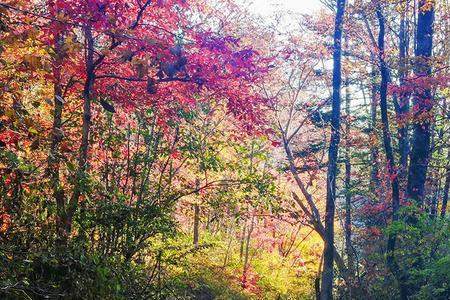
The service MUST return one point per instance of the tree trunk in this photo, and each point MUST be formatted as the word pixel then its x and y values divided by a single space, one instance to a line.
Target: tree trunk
pixel 422 101
pixel 392 169
pixel 403 108
pixel 227 253
pixel 247 251
pixel 347 180
pixel 446 187
pixel 84 146
pixel 54 159
pixel 241 250
pixel 435 178
pixel 374 176
pixel 196 223
pixel 327 274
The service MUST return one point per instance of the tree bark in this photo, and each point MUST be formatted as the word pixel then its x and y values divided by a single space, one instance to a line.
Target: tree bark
pixel 247 251
pixel 312 212
pixel 327 274
pixel 423 104
pixel 196 223
pixel 91 64
pixel 347 180
pixel 435 179
pixel 227 253
pixel 392 168
pixel 403 107
pixel 374 176
pixel 348 208
pixel 86 125
pixel 320 229
pixel 446 187
pixel 54 159
pixel 242 244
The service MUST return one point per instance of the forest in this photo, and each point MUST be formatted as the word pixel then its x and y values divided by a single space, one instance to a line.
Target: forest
pixel 197 149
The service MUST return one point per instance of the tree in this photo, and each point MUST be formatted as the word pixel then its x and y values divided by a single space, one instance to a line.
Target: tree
pixel 328 252
pixel 391 164
pixel 423 104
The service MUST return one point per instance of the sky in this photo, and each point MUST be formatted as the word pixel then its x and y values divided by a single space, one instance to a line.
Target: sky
pixel 266 7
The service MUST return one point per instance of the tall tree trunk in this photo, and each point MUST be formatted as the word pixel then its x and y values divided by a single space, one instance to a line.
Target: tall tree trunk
pixel 374 176
pixel 348 192
pixel 446 187
pixel 327 274
pixel 422 100
pixel 392 169
pixel 403 107
pixel 54 159
pixel 84 146
pixel 442 191
pixel 347 181
pixel 436 178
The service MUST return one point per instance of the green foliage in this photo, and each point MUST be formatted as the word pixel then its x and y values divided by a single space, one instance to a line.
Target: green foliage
pixel 422 253
pixel 65 272
pixel 124 242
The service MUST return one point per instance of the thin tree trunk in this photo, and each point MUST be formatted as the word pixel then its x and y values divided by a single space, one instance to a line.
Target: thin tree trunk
pixel 57 136
pixel 374 178
pixel 84 146
pixel 392 169
pixel 227 253
pixel 327 274
pixel 196 223
pixel 435 179
pixel 317 279
pixel 446 187
pixel 320 229
pixel 347 182
pixel 91 66
pixel 247 251
pixel 241 249
pixel 422 100
pixel 403 108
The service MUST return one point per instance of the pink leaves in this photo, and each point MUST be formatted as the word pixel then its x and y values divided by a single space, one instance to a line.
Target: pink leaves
pixel 392 177
pixel 276 144
pixel 418 84
pixel 175 154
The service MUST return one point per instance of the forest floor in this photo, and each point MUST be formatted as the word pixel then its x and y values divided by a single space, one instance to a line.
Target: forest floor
pixel 205 275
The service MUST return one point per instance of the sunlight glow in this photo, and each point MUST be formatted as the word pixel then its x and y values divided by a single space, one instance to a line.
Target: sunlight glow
pixel 266 7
